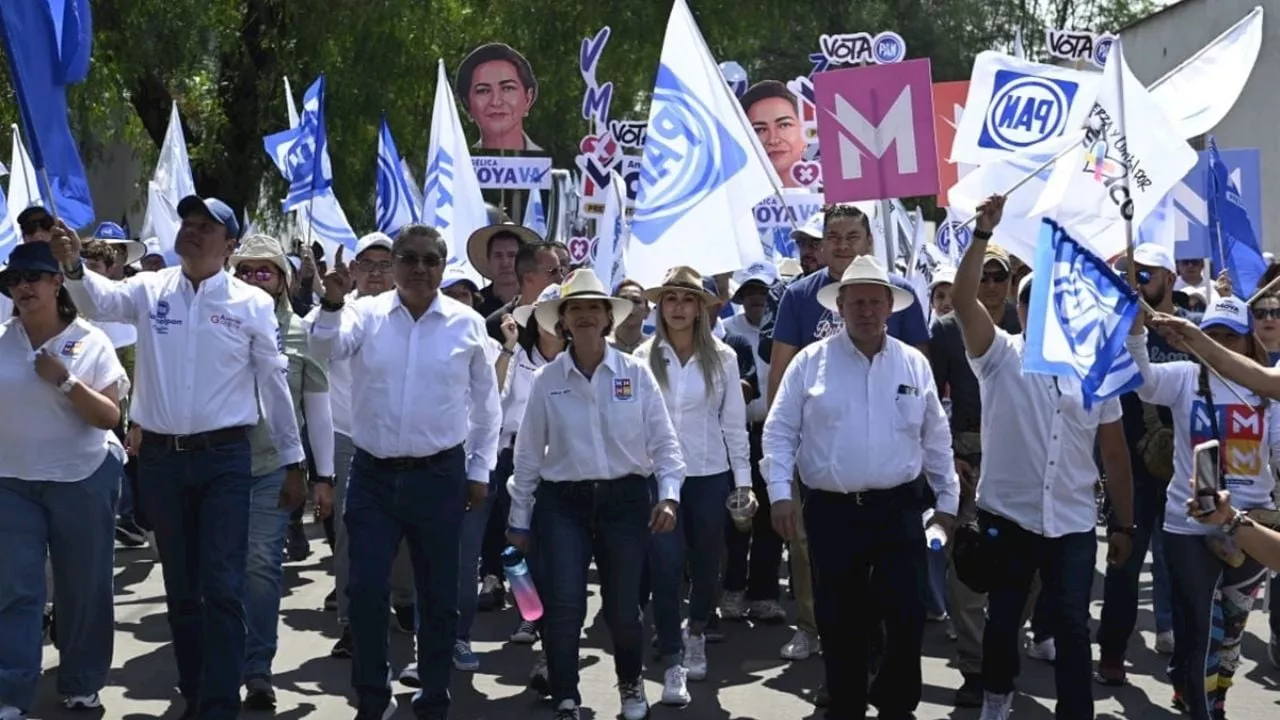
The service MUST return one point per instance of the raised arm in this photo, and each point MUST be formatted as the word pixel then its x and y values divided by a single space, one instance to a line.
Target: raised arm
pixel 96 297
pixel 976 326
pixel 336 330
pixel 1232 366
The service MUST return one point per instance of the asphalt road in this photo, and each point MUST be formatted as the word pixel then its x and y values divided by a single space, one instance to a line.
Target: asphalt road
pixel 747 678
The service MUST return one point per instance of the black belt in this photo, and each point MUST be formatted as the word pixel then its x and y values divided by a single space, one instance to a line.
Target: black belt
pixel 906 491
pixel 399 464
pixel 197 441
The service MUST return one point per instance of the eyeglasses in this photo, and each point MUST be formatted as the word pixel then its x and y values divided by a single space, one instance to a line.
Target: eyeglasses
pixel 368 266
pixel 41 223
pixel 259 274
pixel 18 277
pixel 557 272
pixel 420 261
pixel 1143 276
pixel 998 276
pixel 1266 314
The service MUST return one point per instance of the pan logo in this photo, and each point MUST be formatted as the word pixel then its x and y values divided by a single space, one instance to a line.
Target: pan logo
pixel 1025 110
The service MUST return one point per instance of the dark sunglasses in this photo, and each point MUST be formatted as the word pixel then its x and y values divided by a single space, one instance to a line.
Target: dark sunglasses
pixel 260 274
pixel 1266 313
pixel 41 223
pixel 420 261
pixel 998 276
pixel 1142 276
pixel 17 277
pixel 368 266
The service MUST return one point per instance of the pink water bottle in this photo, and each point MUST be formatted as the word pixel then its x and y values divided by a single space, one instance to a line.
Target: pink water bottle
pixel 521 584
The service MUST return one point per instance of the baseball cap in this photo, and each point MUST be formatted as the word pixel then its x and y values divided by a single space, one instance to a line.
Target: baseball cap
pixel 32 212
pixel 1231 313
pixel 453 275
pixel 996 254
pixel 945 276
pixel 1149 255
pixel 374 240
pixel 761 273
pixel 813 228
pixel 217 210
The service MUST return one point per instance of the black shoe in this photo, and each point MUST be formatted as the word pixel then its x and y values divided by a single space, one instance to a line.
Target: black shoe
pixel 821 698
pixel 129 534
pixel 405 615
pixel 297 546
pixel 969 694
pixel 342 649
pixel 331 601
pixel 259 695
pixel 492 596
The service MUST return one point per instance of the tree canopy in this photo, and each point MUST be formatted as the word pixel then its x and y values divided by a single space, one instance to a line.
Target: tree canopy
pixel 223 62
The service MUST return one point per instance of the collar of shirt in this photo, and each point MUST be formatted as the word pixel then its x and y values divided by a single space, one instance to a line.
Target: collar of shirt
pixel 435 308
pixel 611 361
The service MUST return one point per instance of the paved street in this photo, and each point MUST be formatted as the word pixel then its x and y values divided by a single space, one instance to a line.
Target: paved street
pixel 747 678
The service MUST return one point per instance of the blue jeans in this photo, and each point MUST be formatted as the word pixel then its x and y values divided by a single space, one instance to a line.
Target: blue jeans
pixel 421 502
pixel 699 532
pixel 1066 574
pixel 76 522
pixel 198 502
pixel 474 525
pixel 264 574
pixel 572 521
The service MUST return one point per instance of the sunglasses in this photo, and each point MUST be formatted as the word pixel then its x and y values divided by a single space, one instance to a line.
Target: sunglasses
pixel 1266 313
pixel 1142 276
pixel 998 276
pixel 259 274
pixel 419 261
pixel 368 266
pixel 555 272
pixel 42 223
pixel 18 277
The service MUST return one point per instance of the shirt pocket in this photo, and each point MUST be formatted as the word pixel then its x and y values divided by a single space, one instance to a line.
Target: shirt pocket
pixel 908 413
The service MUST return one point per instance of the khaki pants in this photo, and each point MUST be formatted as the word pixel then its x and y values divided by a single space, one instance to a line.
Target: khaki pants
pixel 801 570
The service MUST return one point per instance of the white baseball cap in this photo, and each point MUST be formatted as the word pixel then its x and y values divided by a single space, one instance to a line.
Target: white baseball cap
pixel 1231 313
pixel 374 240
pixel 1149 255
pixel 943 276
pixel 814 227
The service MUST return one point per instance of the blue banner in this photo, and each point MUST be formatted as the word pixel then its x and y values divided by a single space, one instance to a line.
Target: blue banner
pixel 1190 200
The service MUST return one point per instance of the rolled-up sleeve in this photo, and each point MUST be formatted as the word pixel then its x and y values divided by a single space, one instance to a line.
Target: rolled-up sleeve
pixel 660 438
pixel 484 411
pixel 780 440
pixel 530 449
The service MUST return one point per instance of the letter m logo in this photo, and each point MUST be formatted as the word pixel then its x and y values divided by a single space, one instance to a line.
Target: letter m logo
pixel 857 136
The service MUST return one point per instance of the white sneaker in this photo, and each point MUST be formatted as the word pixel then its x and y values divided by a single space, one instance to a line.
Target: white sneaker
pixel 634 704
pixel 1044 650
pixel 9 712
pixel 409 676
pixel 996 706
pixel 393 705
pixel 801 646
pixel 695 656
pixel 526 634
pixel 1164 642
pixel 82 702
pixel 733 605
pixel 568 710
pixel 675 688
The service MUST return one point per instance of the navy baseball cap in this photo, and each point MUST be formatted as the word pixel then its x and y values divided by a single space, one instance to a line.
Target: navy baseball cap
pixel 212 207
pixel 32 212
pixel 36 256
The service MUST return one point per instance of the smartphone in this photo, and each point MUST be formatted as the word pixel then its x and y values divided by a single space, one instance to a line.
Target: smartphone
pixel 1208 475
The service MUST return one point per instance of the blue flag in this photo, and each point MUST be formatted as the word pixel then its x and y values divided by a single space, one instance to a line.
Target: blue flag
pixel 393 203
pixel 1232 241
pixel 44 55
pixel 302 152
pixel 1079 316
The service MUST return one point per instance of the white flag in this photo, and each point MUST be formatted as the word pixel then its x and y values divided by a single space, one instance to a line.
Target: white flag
pixel 614 236
pixel 24 188
pixel 172 181
pixel 703 170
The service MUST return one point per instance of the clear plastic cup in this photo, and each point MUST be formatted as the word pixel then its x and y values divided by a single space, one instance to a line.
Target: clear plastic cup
pixel 742 508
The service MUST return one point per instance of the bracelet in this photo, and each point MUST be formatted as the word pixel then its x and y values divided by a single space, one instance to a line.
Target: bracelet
pixel 75 273
pixel 981 235
pixel 507 352
pixel 1236 522
pixel 330 306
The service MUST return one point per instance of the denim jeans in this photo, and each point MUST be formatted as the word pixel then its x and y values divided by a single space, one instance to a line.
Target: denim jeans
pixel 1120 589
pixel 474 537
pixel 423 504
pixel 752 558
pixel 699 537
pixel 572 521
pixel 74 523
pixel 264 574
pixel 343 451
pixel 198 502
pixel 1066 573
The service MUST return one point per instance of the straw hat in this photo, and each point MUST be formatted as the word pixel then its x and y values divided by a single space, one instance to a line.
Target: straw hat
pixel 478 243
pixel 522 313
pixel 865 270
pixel 580 285
pixel 681 278
pixel 262 247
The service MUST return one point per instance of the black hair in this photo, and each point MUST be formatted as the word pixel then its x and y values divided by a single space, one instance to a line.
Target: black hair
pixel 563 332
pixel 503 235
pixel 1272 272
pixel 527 257
pixel 835 211
pixel 491 52
pixel 766 89
pixel 418 230
pixel 1024 297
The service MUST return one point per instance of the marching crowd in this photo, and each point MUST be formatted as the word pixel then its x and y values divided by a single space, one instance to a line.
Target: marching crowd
pixel 679 436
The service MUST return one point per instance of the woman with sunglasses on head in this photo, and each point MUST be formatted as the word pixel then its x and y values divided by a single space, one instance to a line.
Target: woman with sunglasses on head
pixel 1214 586
pixel 60 465
pixel 698 376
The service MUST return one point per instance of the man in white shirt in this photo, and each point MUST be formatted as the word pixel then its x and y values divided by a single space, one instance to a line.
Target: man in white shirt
pixel 1035 429
pixel 419 361
pixel 205 340
pixel 858 415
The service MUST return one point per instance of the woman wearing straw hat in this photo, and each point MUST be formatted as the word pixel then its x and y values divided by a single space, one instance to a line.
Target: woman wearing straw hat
pixel 594 428
pixel 699 379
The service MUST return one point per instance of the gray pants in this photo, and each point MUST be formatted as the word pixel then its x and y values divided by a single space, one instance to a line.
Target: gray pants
pixel 401 569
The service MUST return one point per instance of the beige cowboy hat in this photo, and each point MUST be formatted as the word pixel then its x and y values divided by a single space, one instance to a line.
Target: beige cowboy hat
pixel 262 247
pixel 865 270
pixel 580 285
pixel 478 243
pixel 681 278
pixel 522 313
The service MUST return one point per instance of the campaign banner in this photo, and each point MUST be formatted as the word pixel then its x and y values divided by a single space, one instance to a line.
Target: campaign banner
pixel 776 219
pixel 948 107
pixel 512 173
pixel 612 145
pixel 1191 209
pixel 860 48
pixel 1079 46
pixel 875 124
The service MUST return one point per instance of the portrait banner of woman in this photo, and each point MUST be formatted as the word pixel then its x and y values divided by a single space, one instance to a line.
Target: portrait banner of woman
pixel 774 114
pixel 496 87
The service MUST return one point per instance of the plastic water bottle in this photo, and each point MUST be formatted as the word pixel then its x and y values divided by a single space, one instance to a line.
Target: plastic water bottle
pixel 935 537
pixel 521 584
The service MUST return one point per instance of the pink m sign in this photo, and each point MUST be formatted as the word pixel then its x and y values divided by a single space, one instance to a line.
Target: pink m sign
pixel 875 128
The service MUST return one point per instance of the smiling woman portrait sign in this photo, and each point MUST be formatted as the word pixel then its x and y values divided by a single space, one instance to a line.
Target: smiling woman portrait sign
pixel 496 86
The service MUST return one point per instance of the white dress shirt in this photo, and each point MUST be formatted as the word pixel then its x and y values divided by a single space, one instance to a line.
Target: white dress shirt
pixel 1037 444
pixel 711 426
pixel 200 351
pixel 606 427
pixel 739 325
pixel 515 391
pixel 339 381
pixel 42 437
pixel 851 424
pixel 415 381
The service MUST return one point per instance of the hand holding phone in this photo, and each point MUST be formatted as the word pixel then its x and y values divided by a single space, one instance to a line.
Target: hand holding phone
pixel 1207 478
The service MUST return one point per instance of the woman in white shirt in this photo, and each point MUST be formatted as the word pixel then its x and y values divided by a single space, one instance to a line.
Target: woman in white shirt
pixel 698 375
pixel 594 428
pixel 60 469
pixel 1213 587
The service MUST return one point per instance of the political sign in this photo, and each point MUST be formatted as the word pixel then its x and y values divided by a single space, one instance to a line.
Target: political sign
pixel 776 220
pixel 512 173
pixel 1191 211
pixel 1079 46
pixel 948 107
pixel 860 48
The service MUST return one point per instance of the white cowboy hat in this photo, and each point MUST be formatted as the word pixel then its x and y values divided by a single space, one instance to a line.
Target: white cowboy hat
pixel 865 271
pixel 522 313
pixel 478 243
pixel 580 285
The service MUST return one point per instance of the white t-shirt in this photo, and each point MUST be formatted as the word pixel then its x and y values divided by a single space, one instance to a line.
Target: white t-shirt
pixel 41 435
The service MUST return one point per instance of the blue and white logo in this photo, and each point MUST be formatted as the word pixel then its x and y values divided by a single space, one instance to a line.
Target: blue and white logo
pixel 1101 49
pixel 889 47
pixel 440 182
pixel 949 230
pixel 1025 110
pixel 688 154
pixel 162 309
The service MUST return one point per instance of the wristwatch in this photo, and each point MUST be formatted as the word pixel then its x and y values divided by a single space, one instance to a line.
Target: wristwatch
pixel 1236 522
pixel 322 480
pixel 68 384
pixel 331 306
pixel 981 235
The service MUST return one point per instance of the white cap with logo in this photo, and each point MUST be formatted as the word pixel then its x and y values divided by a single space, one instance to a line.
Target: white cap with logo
pixel 1231 313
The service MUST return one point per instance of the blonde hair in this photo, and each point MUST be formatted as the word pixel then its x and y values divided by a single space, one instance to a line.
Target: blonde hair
pixel 705 349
